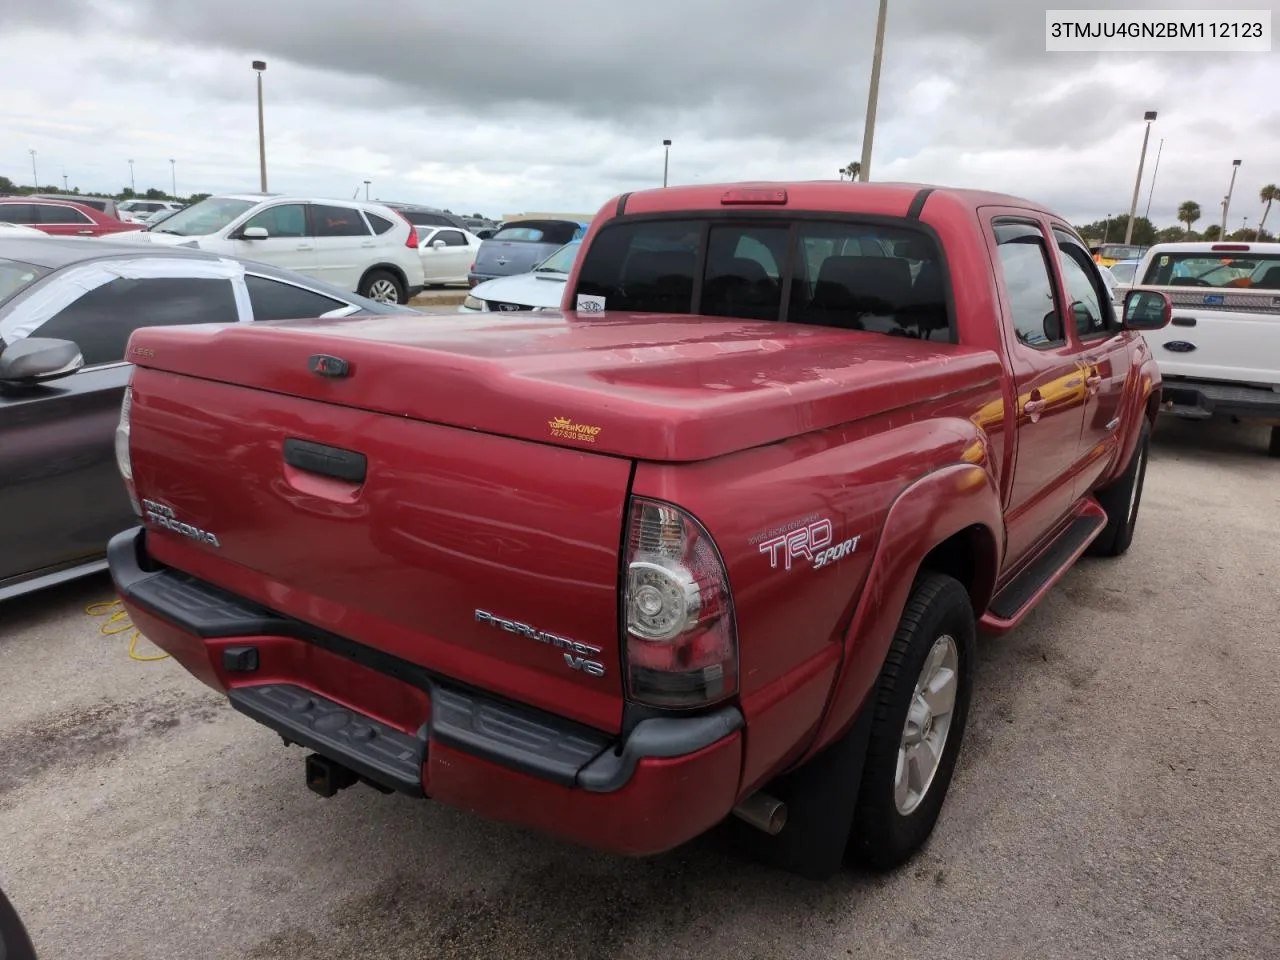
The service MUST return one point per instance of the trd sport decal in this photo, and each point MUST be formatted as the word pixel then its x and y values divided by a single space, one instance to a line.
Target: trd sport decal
pixel 812 542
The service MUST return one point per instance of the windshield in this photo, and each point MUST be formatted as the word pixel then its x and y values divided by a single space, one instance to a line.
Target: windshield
pixel 561 261
pixel 1123 272
pixel 16 275
pixel 207 216
pixel 1260 271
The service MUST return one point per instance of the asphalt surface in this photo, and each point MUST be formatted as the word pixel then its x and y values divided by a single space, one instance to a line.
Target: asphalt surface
pixel 1116 796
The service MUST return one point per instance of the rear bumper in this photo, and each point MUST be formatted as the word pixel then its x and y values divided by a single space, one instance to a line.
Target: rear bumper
pixel 408 729
pixel 1199 400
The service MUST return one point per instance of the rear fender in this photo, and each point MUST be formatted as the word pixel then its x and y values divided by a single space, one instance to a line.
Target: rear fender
pixel 960 499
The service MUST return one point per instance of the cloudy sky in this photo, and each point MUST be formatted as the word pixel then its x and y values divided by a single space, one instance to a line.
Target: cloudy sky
pixel 500 106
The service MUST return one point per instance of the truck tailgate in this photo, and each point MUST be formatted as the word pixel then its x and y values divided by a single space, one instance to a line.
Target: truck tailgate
pixel 480 557
pixel 1224 335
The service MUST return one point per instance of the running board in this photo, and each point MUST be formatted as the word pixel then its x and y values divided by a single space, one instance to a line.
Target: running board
pixel 1020 595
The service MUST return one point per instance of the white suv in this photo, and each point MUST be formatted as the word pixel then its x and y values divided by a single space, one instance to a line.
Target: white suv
pixel 143 211
pixel 364 247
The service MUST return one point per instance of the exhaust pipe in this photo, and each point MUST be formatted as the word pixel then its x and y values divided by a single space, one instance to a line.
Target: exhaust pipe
pixel 326 777
pixel 763 812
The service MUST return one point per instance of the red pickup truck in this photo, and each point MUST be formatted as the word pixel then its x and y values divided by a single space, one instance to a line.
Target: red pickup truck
pixel 716 539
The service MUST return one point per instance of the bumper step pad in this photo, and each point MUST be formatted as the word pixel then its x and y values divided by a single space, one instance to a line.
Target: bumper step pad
pixel 372 749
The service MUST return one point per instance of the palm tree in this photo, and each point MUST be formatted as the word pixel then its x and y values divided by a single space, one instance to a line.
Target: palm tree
pixel 854 169
pixel 1266 195
pixel 1188 213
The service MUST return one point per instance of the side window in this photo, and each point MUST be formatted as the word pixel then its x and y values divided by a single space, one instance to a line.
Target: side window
pixel 286 220
pixel 273 300
pixel 24 213
pixel 451 238
pixel 861 277
pixel 1089 299
pixel 338 221
pixel 645 267
pixel 57 213
pixel 742 278
pixel 1024 267
pixel 101 321
pixel 380 224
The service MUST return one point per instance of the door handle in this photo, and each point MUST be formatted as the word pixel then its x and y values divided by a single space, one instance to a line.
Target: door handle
pixel 306 246
pixel 1184 321
pixel 367 243
pixel 1034 407
pixel 86 233
pixel 1093 381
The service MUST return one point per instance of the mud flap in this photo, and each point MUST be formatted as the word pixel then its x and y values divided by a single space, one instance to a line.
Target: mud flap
pixel 821 797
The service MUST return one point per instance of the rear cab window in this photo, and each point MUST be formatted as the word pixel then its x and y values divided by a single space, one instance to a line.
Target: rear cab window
pixel 1214 269
pixel 558 232
pixel 884 277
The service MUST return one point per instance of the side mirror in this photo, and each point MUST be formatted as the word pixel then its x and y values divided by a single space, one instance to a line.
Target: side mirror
pixel 254 233
pixel 35 360
pixel 437 244
pixel 1147 310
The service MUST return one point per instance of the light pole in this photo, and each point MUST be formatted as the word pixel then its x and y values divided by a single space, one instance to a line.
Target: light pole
pixel 65 187
pixel 366 188
pixel 1149 116
pixel 1226 201
pixel 259 66
pixel 173 173
pixel 35 177
pixel 1155 172
pixel 873 95
pixel 132 185
pixel 666 160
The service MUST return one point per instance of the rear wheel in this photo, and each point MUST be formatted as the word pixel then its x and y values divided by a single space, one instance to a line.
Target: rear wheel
pixel 921 704
pixel 1121 501
pixel 1273 448
pixel 382 286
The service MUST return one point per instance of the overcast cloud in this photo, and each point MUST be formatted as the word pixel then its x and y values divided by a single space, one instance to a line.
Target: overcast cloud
pixel 500 106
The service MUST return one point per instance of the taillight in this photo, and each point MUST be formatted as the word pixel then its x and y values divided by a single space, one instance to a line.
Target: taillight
pixel 412 240
pixel 677 611
pixel 123 461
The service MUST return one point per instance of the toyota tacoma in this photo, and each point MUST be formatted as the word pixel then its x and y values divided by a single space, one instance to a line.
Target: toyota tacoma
pixel 712 544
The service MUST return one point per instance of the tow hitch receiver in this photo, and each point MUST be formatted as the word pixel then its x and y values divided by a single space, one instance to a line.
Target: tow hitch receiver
pixel 326 777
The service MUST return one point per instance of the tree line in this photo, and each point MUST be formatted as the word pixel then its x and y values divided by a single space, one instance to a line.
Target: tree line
pixel 1145 233
pixel 7 186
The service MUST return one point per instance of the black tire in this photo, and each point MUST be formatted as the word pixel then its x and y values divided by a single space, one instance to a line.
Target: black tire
pixel 1121 501
pixel 381 285
pixel 883 836
pixel 15 944
pixel 1273 449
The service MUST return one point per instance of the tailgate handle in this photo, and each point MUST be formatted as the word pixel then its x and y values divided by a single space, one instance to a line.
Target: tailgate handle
pixel 325 460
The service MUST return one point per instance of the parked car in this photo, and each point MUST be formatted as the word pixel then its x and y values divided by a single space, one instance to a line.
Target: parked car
pixel 542 288
pixel 421 216
pixel 60 496
pixel 1220 357
pixel 521 244
pixel 19 230
pixel 61 218
pixel 1109 254
pixel 482 228
pixel 144 211
pixel 1121 274
pixel 447 254
pixel 104 205
pixel 619 573
pixel 364 247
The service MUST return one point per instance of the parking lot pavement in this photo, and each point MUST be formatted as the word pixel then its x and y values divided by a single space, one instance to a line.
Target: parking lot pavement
pixel 1115 797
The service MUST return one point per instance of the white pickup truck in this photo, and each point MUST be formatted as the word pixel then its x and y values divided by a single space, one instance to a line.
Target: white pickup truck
pixel 1221 354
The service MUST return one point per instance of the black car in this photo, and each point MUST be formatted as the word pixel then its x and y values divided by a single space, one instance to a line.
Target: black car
pixel 421 216
pixel 67 308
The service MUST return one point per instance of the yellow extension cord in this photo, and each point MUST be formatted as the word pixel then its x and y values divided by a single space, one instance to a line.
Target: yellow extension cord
pixel 118 622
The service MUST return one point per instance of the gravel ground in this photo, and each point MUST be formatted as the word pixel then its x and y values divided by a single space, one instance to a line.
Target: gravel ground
pixel 1115 797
